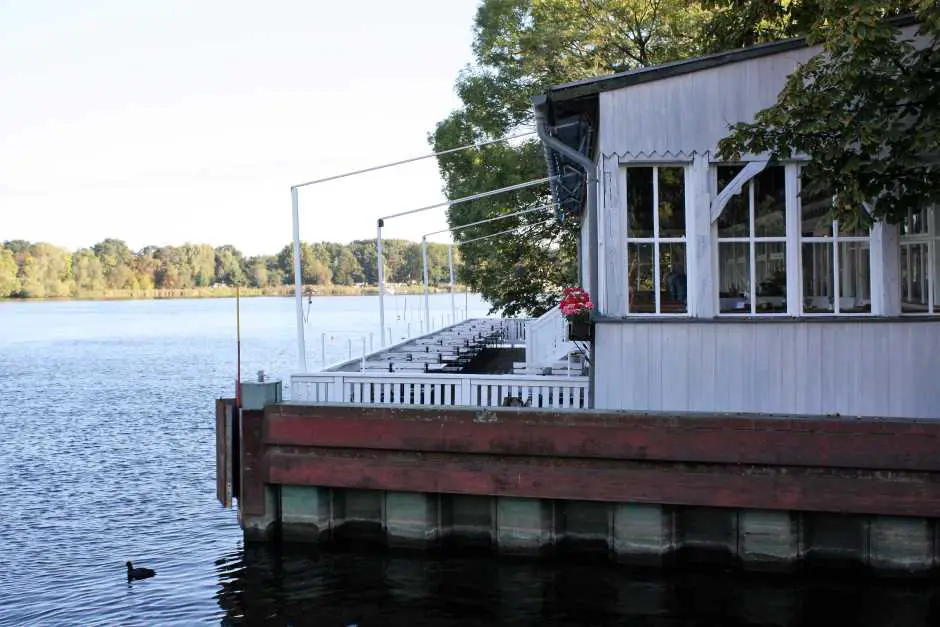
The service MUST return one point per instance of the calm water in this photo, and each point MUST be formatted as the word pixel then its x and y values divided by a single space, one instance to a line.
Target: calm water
pixel 107 454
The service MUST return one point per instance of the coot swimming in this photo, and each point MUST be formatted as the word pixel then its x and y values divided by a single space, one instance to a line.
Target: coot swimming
pixel 138 573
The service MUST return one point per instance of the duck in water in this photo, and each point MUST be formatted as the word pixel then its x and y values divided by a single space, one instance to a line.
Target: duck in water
pixel 138 573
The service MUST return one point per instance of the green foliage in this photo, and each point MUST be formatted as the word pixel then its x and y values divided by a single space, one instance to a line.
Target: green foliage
pixel 867 110
pixel 522 47
pixel 45 271
pixel 9 284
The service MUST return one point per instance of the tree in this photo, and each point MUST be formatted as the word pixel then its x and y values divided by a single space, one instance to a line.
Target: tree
pixel 521 48
pixel 9 284
pixel 87 270
pixel 229 265
pixel 866 110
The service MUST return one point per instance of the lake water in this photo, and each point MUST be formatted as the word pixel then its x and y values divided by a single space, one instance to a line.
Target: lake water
pixel 107 455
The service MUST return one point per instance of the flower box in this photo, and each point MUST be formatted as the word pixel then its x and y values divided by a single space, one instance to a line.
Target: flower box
pixel 580 330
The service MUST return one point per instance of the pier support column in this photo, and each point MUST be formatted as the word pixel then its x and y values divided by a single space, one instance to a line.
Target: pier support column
pixel 643 534
pixel 903 545
pixel 523 525
pixel 412 519
pixel 305 513
pixel 768 540
pixel 260 524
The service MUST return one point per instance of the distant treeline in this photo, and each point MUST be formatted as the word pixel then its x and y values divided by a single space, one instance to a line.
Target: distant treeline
pixel 41 270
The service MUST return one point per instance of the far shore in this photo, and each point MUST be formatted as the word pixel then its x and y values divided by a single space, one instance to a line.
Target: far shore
pixel 229 292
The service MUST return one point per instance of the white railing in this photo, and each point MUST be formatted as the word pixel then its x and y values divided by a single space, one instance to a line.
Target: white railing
pixel 514 329
pixel 453 390
pixel 546 341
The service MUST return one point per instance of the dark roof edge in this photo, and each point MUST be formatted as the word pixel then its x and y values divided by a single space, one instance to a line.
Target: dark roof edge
pixel 592 86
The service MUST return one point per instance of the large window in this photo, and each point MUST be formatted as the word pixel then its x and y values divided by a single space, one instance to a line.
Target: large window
pixel 656 251
pixel 835 260
pixel 752 229
pixel 919 267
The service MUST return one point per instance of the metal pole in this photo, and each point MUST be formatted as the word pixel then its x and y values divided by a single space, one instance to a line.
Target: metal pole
pixel 349 346
pixel 298 282
pixel 412 159
pixel 238 350
pixel 424 264
pixel 371 340
pixel 380 264
pixel 453 302
pixel 362 367
pixel 323 348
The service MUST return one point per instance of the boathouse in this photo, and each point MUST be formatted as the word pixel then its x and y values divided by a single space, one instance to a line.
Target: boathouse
pixel 762 388
pixel 720 286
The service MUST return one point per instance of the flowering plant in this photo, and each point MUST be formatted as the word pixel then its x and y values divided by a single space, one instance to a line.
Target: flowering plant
pixel 576 304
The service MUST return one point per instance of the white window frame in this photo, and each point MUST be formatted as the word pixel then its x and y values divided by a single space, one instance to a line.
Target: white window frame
pixel 931 238
pixel 656 240
pixel 835 239
pixel 751 240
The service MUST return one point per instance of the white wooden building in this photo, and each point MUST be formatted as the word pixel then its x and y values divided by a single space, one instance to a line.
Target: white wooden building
pixel 719 287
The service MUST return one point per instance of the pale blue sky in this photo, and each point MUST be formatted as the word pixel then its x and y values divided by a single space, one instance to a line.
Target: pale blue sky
pixel 170 121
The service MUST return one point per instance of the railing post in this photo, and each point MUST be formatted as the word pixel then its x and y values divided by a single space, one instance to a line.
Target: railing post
pixel 464 391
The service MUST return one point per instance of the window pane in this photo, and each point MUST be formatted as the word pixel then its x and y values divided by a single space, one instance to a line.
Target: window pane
pixel 817 277
pixel 854 277
pixel 815 207
pixel 725 174
pixel 640 202
pixel 734 293
pixel 640 266
pixel 672 202
pixel 770 203
pixel 733 221
pixel 672 277
pixel 914 278
pixel 770 262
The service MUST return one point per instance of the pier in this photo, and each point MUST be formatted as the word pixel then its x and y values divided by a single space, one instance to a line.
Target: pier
pixel 759 492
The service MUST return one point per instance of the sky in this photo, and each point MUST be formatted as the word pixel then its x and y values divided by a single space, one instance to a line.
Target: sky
pixel 177 121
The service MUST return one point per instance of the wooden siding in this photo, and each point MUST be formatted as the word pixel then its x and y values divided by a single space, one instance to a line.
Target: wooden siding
pixel 674 117
pixel 866 368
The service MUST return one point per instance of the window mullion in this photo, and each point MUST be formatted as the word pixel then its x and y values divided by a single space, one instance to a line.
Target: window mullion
pixel 656 291
pixel 836 279
pixel 752 257
pixel 931 259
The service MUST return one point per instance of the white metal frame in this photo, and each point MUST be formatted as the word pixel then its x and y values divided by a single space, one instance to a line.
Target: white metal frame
pixel 656 240
pixel 928 238
pixel 835 240
pixel 752 240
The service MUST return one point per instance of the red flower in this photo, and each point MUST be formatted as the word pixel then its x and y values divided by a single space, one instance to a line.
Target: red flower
pixel 575 303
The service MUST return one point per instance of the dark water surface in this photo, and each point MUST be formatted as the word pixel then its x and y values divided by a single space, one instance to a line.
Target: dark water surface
pixel 107 455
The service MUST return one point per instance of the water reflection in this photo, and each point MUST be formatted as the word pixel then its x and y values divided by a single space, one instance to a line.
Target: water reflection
pixel 301 585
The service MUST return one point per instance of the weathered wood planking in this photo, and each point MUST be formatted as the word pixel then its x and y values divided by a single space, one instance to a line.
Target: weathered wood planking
pixel 806 367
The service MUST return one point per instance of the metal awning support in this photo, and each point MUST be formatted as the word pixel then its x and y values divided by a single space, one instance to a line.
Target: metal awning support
pixel 380 260
pixel 450 258
pixel 295 215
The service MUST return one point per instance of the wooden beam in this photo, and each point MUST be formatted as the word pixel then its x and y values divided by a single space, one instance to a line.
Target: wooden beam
pixel 822 490
pixel 833 442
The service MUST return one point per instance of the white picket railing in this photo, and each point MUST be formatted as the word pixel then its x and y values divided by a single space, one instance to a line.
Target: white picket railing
pixel 453 390
pixel 546 341
pixel 514 329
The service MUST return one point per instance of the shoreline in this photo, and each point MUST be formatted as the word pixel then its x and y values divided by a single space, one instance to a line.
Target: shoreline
pixel 227 292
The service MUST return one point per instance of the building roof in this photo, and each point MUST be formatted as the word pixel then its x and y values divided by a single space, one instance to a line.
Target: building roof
pixel 610 82
pixel 575 103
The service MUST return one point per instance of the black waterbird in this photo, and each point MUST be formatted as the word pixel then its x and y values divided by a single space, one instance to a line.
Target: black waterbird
pixel 138 573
